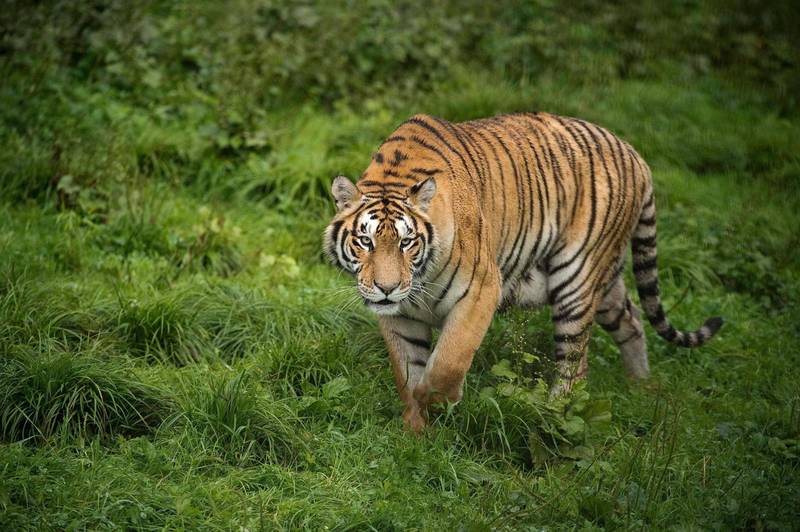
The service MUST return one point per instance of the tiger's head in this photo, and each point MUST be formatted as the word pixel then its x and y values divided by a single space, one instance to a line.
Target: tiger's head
pixel 386 240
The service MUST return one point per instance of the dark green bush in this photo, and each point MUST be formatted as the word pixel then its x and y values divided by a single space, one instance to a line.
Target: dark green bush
pixel 243 55
pixel 62 393
pixel 241 424
pixel 162 330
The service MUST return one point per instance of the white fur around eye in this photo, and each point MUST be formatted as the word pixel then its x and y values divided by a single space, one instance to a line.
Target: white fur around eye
pixel 403 227
pixel 367 225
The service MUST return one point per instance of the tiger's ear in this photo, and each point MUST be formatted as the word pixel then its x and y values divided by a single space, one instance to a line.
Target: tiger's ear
pixel 344 192
pixel 422 193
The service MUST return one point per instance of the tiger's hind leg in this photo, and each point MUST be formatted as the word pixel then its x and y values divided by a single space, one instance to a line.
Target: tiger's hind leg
pixel 571 361
pixel 621 319
pixel 574 305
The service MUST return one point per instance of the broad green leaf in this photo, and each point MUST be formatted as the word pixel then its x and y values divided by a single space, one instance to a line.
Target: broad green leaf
pixel 503 369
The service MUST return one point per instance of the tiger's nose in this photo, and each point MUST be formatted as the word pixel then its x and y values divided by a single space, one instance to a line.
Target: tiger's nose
pixel 386 289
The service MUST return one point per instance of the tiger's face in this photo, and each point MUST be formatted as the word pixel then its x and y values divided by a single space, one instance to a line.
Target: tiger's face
pixel 386 241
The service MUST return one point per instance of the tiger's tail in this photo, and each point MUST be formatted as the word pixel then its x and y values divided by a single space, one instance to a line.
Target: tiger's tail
pixel 645 271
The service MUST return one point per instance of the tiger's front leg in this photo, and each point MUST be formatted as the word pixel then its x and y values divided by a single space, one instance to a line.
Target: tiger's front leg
pixel 409 344
pixel 462 333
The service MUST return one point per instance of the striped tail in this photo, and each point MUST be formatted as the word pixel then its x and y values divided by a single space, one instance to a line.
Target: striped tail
pixel 645 270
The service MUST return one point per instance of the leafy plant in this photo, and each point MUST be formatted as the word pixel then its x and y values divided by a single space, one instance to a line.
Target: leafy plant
pixel 517 416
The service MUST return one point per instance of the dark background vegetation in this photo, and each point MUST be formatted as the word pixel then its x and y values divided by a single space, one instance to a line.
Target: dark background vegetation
pixel 174 353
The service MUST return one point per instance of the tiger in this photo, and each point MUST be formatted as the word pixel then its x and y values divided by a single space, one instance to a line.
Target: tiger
pixel 452 221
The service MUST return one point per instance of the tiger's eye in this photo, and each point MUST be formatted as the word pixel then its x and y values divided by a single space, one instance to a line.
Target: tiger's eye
pixel 406 242
pixel 365 241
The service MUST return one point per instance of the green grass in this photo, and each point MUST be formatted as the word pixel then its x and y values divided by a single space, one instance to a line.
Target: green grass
pixel 175 353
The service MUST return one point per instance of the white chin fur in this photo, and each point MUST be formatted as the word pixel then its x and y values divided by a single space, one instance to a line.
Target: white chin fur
pixel 384 310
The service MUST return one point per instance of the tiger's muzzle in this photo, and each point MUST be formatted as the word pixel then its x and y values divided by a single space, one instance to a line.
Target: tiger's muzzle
pixel 382 299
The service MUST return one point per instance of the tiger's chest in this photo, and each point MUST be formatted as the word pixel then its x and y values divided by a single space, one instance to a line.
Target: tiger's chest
pixel 528 289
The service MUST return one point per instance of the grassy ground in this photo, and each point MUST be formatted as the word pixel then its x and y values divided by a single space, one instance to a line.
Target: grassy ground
pixel 175 353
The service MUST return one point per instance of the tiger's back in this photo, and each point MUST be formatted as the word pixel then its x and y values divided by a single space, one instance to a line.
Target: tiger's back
pixel 564 189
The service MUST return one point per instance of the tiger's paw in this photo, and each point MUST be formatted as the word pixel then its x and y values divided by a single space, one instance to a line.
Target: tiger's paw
pixel 425 395
pixel 414 420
